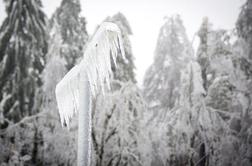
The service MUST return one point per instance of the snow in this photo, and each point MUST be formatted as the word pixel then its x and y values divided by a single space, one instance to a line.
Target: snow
pixel 96 64
pixel 162 79
pixel 167 127
pixel 167 62
pixel 75 91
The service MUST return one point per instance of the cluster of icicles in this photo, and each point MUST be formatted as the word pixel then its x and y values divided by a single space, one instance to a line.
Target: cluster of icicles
pixel 95 67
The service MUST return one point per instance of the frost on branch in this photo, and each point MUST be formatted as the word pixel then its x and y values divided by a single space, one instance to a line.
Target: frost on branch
pixel 95 67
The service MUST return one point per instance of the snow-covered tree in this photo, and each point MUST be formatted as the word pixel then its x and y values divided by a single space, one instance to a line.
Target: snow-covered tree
pixel 23 46
pixel 191 133
pixel 118 121
pixel 244 25
pixel 218 83
pixel 216 58
pixel 213 53
pixel 173 51
pixel 205 125
pixel 72 28
pixel 118 131
pixel 125 66
pixel 40 139
pixel 202 53
pixel 242 59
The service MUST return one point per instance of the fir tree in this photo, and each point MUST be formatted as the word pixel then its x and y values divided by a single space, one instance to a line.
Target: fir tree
pixel 244 25
pixel 117 120
pixel 22 49
pixel 72 28
pixel 125 66
pixel 118 129
pixel 243 64
pixel 173 51
pixel 214 52
pixel 202 53
pixel 244 29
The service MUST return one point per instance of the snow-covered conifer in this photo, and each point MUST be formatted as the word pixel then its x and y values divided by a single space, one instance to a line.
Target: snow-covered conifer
pixel 72 28
pixel 125 66
pixel 173 52
pixel 23 44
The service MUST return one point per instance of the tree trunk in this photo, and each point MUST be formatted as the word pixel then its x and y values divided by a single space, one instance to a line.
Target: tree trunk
pixel 202 155
pixel 84 124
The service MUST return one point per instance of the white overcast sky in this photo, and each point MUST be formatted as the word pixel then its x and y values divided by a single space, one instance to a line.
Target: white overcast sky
pixel 146 18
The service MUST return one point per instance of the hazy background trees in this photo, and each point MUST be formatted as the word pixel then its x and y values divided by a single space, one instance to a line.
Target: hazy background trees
pixel 194 107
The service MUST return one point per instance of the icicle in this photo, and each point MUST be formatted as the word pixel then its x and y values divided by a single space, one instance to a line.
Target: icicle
pixel 96 64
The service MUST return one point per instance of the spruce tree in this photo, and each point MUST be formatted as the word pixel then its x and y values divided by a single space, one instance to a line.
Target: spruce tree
pixel 244 25
pixel 72 28
pixel 243 64
pixel 117 121
pixel 125 66
pixel 214 52
pixel 162 79
pixel 202 53
pixel 22 49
